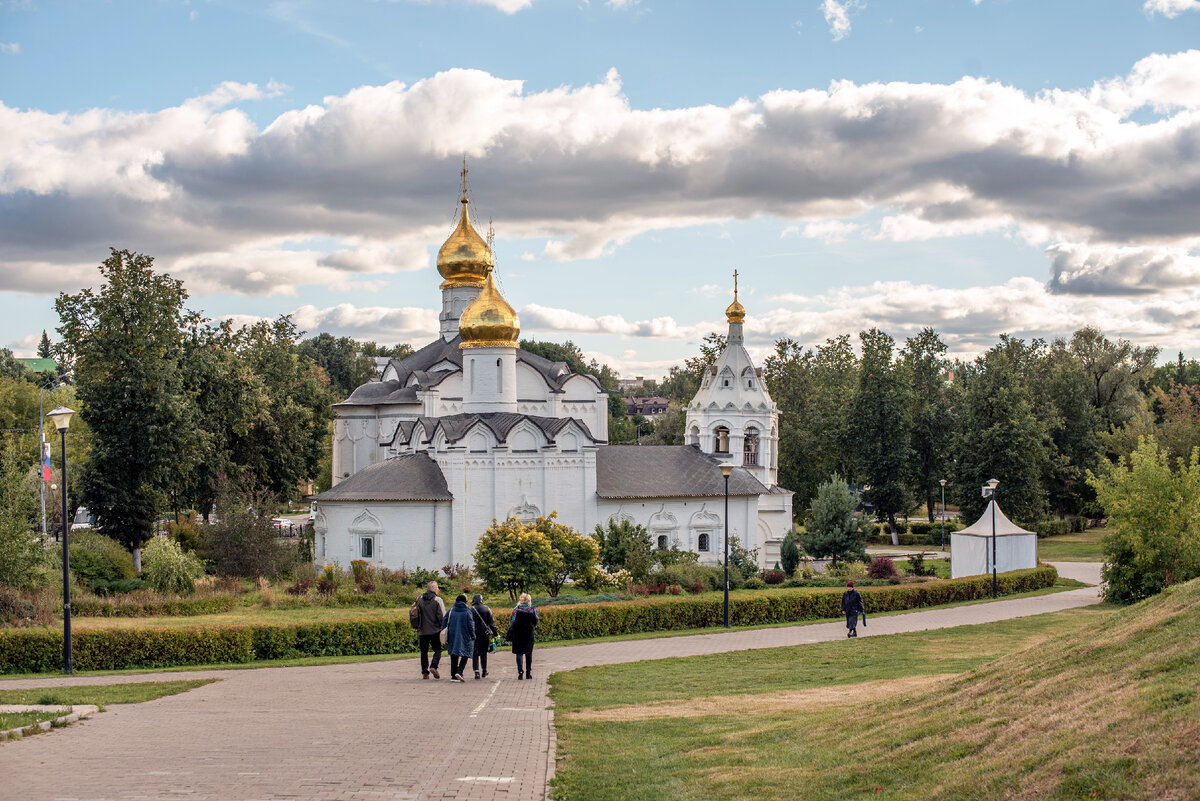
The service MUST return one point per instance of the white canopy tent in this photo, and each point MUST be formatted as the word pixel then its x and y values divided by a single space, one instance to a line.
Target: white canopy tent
pixel 971 548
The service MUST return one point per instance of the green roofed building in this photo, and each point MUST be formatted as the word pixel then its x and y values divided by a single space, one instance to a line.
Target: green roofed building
pixel 39 365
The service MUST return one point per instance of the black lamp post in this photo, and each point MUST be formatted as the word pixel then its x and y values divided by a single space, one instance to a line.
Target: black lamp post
pixel 943 483
pixel 726 469
pixel 62 419
pixel 989 491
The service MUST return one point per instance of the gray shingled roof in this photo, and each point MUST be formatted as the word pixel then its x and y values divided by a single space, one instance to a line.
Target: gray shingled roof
pixel 381 393
pixel 666 471
pixel 412 477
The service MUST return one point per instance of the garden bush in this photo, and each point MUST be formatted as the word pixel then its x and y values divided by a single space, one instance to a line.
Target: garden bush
pixel 685 574
pixel 881 567
pixel 168 568
pixel 774 576
pixel 96 558
pixel 34 650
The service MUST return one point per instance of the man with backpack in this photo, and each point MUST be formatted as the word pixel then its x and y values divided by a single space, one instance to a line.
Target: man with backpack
pixel 426 617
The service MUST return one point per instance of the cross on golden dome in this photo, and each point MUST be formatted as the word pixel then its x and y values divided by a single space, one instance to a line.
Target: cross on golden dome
pixel 735 312
pixel 465 259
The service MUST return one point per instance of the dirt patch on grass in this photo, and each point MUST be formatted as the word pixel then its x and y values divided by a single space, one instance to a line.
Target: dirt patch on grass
pixel 774 702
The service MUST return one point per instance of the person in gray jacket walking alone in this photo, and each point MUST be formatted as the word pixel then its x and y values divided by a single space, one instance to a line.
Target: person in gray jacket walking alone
pixel 429 635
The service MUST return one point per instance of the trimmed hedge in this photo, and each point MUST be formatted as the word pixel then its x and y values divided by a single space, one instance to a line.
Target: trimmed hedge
pixel 138 606
pixel 767 606
pixel 40 650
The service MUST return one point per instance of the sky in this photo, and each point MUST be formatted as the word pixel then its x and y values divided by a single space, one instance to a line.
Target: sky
pixel 976 166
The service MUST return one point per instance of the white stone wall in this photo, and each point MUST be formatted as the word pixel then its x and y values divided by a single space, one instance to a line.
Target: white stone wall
pixel 683 520
pixel 411 534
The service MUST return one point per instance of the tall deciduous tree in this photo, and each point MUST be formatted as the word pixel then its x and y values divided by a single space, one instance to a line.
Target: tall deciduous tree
pixel 577 553
pixel 882 426
pixel 343 360
pixel 998 437
pixel 125 345
pixel 924 358
pixel 514 557
pixel 1118 372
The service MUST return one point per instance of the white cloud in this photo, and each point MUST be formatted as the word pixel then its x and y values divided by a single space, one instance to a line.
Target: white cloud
pixel 837 16
pixel 200 186
pixel 11 48
pixel 1120 270
pixel 380 323
pixel 541 319
pixel 708 290
pixel 1170 8
pixel 506 6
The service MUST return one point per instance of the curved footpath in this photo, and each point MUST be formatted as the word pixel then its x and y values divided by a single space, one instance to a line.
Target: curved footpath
pixel 374 731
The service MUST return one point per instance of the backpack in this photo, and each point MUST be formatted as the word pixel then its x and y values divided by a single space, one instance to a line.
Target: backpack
pixel 414 615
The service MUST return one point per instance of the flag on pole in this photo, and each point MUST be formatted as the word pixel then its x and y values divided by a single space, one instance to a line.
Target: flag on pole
pixel 45 461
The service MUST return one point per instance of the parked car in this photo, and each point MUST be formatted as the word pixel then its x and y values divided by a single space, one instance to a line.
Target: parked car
pixel 83 519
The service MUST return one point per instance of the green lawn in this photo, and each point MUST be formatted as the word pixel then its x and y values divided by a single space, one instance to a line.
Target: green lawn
pixel 1093 703
pixel 821 664
pixel 19 720
pixel 100 695
pixel 1084 547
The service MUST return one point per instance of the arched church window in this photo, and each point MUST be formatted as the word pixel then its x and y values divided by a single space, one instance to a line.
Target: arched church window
pixel 722 439
pixel 702 542
pixel 662 541
pixel 750 447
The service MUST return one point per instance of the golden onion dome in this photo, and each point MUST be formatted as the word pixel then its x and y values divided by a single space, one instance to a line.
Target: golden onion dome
pixel 465 259
pixel 489 322
pixel 735 312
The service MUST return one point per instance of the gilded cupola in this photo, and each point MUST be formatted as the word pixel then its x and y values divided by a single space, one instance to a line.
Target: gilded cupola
pixel 735 312
pixel 489 322
pixel 465 259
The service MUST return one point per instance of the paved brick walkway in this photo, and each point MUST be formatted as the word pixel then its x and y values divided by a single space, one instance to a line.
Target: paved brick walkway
pixel 350 732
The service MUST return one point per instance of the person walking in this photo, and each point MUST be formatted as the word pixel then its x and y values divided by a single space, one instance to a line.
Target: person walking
pixel 852 607
pixel 429 634
pixel 520 634
pixel 485 630
pixel 460 636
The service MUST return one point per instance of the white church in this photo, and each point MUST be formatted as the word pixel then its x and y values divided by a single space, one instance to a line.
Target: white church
pixel 471 428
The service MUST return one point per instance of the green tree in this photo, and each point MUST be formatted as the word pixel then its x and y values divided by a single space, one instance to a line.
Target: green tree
pixel 20 551
pixel 125 345
pixel 625 545
pixel 167 568
pixel 998 437
pixel 515 557
pixel 243 541
pixel 835 530
pixel 1118 372
pixel 577 553
pixel 9 366
pixel 1154 514
pixel 789 553
pixel 882 426
pixel 924 358
pixel 343 360
pixel 679 385
pixel 710 348
pixel 668 428
pixel 45 350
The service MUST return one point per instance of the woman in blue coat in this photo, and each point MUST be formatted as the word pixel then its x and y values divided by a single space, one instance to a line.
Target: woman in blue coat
pixel 459 624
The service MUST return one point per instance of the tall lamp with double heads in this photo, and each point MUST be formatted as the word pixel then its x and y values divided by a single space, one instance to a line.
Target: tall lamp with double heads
pixel 989 491
pixel 726 469
pixel 62 419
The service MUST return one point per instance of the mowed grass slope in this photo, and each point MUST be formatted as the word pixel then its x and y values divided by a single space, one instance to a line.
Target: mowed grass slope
pixel 1108 710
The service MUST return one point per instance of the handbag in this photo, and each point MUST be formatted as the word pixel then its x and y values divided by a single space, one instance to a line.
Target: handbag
pixel 493 645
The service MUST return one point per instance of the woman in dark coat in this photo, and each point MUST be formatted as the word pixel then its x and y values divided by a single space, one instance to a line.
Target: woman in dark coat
pixel 520 634
pixel 485 630
pixel 460 636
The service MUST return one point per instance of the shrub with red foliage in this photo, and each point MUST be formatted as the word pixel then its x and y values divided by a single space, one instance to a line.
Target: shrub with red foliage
pixel 881 567
pixel 774 576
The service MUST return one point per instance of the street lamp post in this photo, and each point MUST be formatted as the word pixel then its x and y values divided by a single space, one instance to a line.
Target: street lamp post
pixel 62 419
pixel 943 483
pixel 726 469
pixel 989 491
